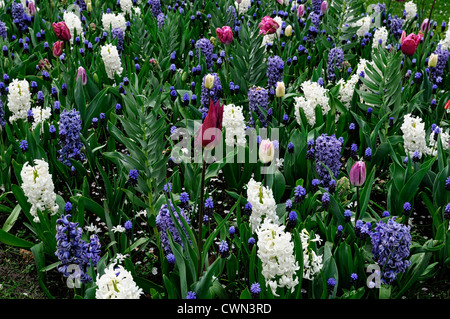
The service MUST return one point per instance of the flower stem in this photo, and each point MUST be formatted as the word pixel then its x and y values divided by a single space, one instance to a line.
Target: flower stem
pixel 358 209
pixel 200 219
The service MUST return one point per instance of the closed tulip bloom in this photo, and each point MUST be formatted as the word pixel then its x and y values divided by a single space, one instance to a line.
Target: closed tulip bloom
pixel 225 34
pixel 432 61
pixel 288 31
pixel 61 31
pixel 358 173
pixel 209 81
pixel 266 151
pixel 210 132
pixel 268 25
pixel 31 8
pixel 57 48
pixel 82 73
pixel 409 43
pixel 301 11
pixel 425 25
pixel 324 7
pixel 280 89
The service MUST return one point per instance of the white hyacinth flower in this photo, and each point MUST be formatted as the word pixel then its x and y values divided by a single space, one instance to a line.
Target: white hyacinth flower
pixel 263 204
pixel 276 252
pixel 312 263
pixel 411 10
pixel 117 283
pixel 112 21
pixel 234 124
pixel 314 95
pixel 19 99
pixel 414 138
pixel 111 59
pixel 38 187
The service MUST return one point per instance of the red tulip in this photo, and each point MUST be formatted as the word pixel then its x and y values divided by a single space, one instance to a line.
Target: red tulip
pixel 447 105
pixel 268 25
pixel 358 173
pixel 225 34
pixel 409 43
pixel 210 132
pixel 61 31
pixel 57 48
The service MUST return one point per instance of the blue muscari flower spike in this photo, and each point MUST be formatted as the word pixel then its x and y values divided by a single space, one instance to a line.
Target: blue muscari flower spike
pixel 224 249
pixel 23 145
pixel 248 208
pixel 255 290
pixel 407 208
pixel 275 68
pixel 325 201
pixel 191 295
pixel 299 194
pixel 133 176
pixel 68 207
pixel 347 215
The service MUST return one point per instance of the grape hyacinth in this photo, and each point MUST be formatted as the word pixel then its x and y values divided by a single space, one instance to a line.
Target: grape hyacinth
pixel 390 248
pixel 69 137
pixel 118 33
pixel 165 222
pixel 438 70
pixel 328 153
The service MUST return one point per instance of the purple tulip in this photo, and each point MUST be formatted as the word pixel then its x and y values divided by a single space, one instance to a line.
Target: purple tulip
pixel 324 7
pixel 358 173
pixel 82 72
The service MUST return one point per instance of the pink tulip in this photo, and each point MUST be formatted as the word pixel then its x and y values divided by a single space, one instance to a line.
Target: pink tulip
pixel 82 73
pixel 210 132
pixel 324 7
pixel 301 11
pixel 409 43
pixel 57 48
pixel 425 25
pixel 225 34
pixel 61 31
pixel 358 173
pixel 32 8
pixel 268 26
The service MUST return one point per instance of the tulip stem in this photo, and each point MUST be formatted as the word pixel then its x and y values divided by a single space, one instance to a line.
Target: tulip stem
pixel 200 219
pixel 358 209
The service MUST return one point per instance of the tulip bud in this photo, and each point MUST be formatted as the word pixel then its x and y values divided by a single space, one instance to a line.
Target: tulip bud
pixel 358 173
pixel 31 8
pixel 301 11
pixel 95 78
pixel 184 76
pixel 425 25
pixel 209 81
pixel 280 89
pixel 266 151
pixel 82 73
pixel 57 48
pixel 432 61
pixel 324 7
pixel 89 5
pixel 213 41
pixel 288 31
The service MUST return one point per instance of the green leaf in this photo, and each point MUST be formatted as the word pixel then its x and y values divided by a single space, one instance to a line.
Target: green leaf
pixel 12 240
pixel 9 223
